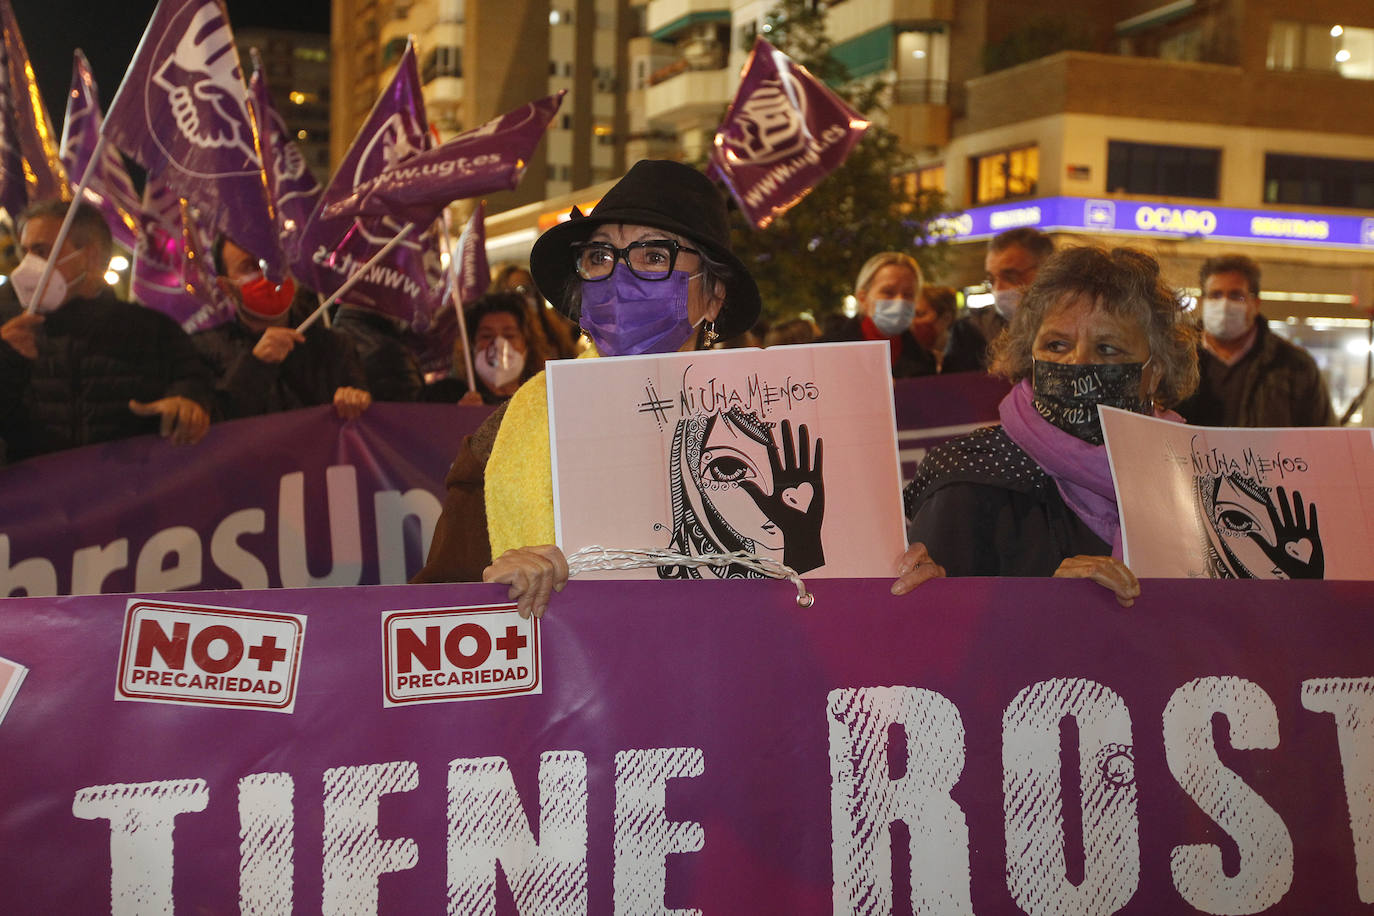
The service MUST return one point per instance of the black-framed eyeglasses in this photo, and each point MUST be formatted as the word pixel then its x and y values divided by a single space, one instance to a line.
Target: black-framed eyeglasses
pixel 652 259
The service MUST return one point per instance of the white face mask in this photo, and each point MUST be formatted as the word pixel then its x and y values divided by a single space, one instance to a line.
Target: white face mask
pixel 1007 301
pixel 893 316
pixel 26 276
pixel 499 364
pixel 1225 319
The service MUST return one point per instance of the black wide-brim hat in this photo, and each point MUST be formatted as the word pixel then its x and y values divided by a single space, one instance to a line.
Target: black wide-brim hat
pixel 664 195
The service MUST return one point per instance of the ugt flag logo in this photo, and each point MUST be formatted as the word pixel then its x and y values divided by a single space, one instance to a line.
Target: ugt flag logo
pixel 196 75
pixel 784 132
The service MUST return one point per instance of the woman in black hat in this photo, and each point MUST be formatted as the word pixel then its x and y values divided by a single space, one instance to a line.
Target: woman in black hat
pixel 647 271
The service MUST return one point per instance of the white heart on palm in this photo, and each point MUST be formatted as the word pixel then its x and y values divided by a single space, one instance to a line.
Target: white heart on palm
pixel 1300 550
pixel 799 497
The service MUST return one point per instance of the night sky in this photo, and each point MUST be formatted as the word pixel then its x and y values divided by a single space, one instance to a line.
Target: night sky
pixel 109 30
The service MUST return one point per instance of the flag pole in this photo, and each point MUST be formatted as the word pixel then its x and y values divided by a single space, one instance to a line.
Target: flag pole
pixel 357 276
pixel 54 253
pixel 458 304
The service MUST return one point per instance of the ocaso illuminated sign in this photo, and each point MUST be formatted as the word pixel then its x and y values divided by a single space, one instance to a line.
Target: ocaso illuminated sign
pixel 1171 219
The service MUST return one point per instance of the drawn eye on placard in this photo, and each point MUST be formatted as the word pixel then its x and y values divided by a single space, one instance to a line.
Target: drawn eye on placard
pixel 738 482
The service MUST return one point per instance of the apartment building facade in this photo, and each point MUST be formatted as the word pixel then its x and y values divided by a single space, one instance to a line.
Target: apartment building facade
pixel 1188 127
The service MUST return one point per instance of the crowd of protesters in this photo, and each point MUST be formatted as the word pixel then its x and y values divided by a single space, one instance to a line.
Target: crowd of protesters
pixel 82 367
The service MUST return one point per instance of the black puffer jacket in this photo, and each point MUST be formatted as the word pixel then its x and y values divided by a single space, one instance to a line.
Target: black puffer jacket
pixel 391 369
pixel 94 356
pixel 245 386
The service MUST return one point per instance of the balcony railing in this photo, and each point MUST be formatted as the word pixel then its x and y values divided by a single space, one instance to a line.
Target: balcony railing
pixel 921 92
pixel 683 65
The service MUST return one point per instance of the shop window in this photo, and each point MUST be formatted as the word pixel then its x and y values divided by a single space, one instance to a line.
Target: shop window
pixel 1006 174
pixel 1314 181
pixel 1169 171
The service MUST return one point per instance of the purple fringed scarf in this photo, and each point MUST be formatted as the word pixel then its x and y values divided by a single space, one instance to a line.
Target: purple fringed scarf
pixel 1079 470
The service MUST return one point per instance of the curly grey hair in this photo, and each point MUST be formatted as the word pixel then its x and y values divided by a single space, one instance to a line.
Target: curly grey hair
pixel 1123 282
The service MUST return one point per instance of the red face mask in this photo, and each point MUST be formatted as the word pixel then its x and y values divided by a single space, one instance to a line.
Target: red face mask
pixel 264 299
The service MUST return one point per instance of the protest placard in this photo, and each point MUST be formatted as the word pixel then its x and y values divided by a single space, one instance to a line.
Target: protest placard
pixel 788 453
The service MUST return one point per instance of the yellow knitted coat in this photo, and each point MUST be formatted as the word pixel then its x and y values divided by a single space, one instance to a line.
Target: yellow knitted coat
pixel 519 484
pixel 519 477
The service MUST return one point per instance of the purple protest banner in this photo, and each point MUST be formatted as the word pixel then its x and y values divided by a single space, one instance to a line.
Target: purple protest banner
pixel 182 113
pixel 474 273
pixel 289 499
pixel 933 408
pixel 783 133
pixel 404 284
pixel 980 746
pixel 489 158
pixel 139 498
pixel 290 183
pixel 109 187
pixel 30 168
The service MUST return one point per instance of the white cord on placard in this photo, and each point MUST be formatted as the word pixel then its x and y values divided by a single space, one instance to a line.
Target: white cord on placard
pixel 595 557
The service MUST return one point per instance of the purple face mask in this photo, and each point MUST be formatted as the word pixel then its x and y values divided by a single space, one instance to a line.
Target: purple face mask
pixel 626 316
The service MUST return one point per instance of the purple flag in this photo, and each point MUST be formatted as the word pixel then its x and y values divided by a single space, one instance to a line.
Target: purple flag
pixel 489 158
pixel 784 132
pixel 293 188
pixel 30 169
pixel 403 284
pixel 433 350
pixel 109 188
pixel 182 113
pixel 474 274
pixel 171 273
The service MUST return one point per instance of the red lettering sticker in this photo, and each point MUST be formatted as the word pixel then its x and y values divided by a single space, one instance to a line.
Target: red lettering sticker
pixel 446 654
pixel 209 656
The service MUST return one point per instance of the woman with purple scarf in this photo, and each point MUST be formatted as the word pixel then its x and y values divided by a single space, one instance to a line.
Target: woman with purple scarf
pixel 1034 496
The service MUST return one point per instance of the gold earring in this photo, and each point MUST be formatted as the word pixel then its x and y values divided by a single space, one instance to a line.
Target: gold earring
pixel 711 335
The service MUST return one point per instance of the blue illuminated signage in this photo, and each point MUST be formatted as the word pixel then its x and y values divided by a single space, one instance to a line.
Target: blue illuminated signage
pixel 1171 220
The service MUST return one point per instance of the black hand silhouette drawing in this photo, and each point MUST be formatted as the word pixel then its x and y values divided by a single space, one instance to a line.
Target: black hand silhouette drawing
pixel 1297 548
pixel 797 503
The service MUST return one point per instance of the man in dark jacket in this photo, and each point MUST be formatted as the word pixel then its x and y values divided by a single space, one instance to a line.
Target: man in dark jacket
pixel 84 367
pixel 393 374
pixel 1013 259
pixel 1250 375
pixel 261 363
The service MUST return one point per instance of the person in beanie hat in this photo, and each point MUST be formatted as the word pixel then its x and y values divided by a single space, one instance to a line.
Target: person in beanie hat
pixel 646 270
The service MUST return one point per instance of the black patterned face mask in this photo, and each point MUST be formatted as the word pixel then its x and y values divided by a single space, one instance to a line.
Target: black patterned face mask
pixel 1067 395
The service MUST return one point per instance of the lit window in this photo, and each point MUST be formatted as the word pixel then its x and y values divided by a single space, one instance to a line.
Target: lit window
pixel 1346 51
pixel 1007 174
